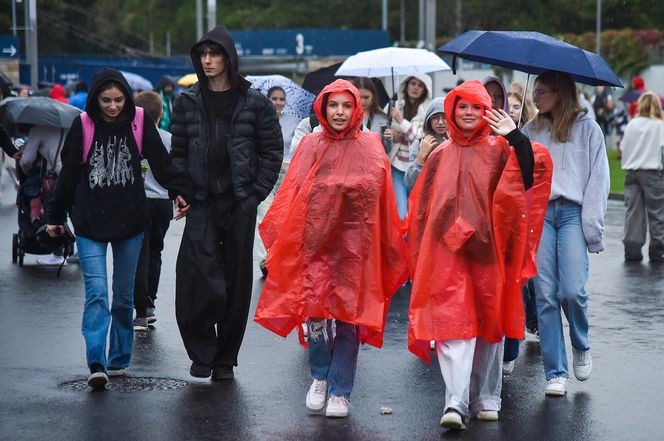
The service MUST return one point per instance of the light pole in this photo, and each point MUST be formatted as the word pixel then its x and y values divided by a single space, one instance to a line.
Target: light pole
pixel 211 14
pixel 384 15
pixel 14 18
pixel 199 19
pixel 31 42
pixel 598 28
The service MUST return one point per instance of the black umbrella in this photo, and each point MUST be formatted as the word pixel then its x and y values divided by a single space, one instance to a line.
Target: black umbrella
pixel 6 143
pixel 37 111
pixel 316 80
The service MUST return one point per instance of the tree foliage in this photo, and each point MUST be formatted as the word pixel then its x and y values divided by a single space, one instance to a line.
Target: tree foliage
pixel 126 26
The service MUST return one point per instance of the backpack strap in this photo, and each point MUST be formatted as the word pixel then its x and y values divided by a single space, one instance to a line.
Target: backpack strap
pixel 89 131
pixel 88 135
pixel 137 128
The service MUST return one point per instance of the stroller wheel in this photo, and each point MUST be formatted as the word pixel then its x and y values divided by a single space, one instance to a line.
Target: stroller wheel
pixel 14 248
pixel 20 259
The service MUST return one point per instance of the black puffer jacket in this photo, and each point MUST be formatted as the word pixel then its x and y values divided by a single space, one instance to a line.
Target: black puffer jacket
pixel 255 144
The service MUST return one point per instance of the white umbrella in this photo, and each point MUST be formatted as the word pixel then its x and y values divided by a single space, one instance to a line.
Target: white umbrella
pixel 298 100
pixel 390 61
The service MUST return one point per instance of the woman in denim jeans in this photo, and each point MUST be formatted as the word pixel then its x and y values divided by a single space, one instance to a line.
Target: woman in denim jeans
pixel 336 251
pixel 573 227
pixel 104 192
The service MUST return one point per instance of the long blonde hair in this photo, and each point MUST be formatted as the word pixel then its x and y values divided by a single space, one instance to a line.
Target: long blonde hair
pixel 563 115
pixel 527 111
pixel 649 105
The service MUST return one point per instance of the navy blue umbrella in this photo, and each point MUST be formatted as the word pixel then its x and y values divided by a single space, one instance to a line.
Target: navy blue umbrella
pixel 531 52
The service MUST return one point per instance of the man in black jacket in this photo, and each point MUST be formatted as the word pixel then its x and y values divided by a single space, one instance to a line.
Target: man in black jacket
pixel 228 139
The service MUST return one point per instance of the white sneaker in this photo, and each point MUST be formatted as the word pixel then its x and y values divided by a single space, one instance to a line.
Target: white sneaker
pixel 487 415
pixel 557 386
pixel 317 395
pixel 98 380
pixel 51 260
pixel 508 367
pixel 116 372
pixel 337 407
pixel 452 420
pixel 583 364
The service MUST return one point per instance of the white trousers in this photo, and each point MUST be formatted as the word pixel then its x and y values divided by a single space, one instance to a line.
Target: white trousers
pixel 259 249
pixel 472 371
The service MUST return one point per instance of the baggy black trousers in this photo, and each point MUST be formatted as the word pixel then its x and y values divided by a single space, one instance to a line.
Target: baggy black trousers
pixel 214 276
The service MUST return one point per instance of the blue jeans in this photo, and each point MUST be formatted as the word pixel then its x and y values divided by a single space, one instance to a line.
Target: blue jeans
pixel 96 314
pixel 562 263
pixel 400 191
pixel 512 344
pixel 333 357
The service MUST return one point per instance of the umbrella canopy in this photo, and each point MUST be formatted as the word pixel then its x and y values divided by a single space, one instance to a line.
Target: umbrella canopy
pixel 631 96
pixel 298 100
pixel 532 52
pixel 137 82
pixel 389 61
pixel 316 80
pixel 41 111
pixel 188 80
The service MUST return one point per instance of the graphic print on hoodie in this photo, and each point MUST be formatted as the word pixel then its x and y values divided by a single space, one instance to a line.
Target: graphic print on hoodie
pixel 111 163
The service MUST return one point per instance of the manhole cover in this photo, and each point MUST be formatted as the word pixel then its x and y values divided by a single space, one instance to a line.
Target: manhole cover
pixel 129 384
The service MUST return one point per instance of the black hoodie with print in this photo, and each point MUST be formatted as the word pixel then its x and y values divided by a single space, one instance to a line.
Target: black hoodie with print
pixel 105 193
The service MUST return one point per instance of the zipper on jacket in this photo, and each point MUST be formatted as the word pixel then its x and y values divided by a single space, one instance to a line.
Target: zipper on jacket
pixel 241 102
pixel 199 103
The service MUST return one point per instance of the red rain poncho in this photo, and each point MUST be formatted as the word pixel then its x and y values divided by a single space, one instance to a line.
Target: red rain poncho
pixel 473 234
pixel 336 249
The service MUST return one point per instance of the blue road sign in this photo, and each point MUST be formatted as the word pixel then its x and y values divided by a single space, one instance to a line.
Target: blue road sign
pixel 8 46
pixel 308 42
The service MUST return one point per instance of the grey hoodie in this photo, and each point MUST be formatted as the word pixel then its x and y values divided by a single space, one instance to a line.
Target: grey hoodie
pixel 580 173
pixel 414 169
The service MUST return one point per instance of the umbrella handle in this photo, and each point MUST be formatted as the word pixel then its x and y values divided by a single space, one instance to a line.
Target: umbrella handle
pixel 523 100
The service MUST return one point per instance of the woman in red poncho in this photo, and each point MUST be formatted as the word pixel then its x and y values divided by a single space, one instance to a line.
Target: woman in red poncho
pixel 336 252
pixel 473 229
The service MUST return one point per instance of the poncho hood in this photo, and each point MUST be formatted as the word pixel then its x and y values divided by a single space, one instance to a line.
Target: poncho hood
pixel 339 86
pixel 474 92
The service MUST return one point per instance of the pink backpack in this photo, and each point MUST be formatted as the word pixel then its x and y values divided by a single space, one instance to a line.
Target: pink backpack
pixel 89 132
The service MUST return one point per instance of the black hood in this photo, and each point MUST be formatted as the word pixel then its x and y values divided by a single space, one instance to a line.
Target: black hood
pixel 221 37
pixel 102 77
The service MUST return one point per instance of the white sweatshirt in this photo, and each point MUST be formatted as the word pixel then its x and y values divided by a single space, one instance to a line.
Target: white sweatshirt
pixel 642 144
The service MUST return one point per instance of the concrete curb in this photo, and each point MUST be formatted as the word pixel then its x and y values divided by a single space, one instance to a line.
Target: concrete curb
pixel 616 196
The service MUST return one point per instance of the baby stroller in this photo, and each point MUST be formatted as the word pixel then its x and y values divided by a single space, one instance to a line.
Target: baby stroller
pixel 25 241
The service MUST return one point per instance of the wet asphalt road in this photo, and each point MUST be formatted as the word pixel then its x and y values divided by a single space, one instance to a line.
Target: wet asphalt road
pixel 41 349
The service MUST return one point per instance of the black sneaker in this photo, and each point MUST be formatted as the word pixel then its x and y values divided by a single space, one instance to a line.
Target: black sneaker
pixel 199 371
pixel 221 373
pixel 97 379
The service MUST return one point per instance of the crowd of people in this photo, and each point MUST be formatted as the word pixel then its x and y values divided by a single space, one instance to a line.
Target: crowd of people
pixel 486 200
